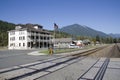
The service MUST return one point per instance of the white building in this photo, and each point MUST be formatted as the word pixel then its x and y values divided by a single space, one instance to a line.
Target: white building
pixel 29 36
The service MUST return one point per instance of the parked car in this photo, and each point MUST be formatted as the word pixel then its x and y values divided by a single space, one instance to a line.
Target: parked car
pixel 73 46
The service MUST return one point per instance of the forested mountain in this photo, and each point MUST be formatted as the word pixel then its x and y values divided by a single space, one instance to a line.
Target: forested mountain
pixel 4 27
pixel 59 34
pixel 79 30
pixel 115 35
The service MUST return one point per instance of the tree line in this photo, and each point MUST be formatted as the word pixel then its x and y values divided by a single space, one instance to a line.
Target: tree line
pixel 104 40
pixel 5 27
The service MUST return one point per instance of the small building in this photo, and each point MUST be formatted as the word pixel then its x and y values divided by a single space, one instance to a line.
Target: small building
pixel 78 43
pixel 29 36
pixel 62 42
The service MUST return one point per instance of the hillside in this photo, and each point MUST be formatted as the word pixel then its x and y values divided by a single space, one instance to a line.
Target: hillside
pixel 4 27
pixel 59 34
pixel 114 35
pixel 79 30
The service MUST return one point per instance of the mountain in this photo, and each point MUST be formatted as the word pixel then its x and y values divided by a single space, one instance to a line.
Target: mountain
pixel 4 27
pixel 80 30
pixel 114 35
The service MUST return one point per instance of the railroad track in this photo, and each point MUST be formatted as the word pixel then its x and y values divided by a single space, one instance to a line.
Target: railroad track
pixel 42 68
pixel 86 53
pixel 118 47
pixel 97 75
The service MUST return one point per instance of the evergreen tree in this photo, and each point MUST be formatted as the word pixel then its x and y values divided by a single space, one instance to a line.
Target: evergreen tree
pixel 97 38
pixel 4 27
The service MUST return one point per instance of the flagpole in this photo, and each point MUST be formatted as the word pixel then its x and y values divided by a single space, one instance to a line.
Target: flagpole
pixel 54 38
pixel 55 28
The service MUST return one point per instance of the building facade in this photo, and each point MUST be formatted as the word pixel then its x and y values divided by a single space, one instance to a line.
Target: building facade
pixel 62 42
pixel 29 36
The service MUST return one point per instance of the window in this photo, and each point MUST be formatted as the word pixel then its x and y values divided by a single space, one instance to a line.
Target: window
pixel 23 44
pixel 12 33
pixel 12 44
pixel 21 32
pixel 48 38
pixel 28 44
pixel 32 37
pixel 12 38
pixel 41 37
pixel 19 44
pixel 19 38
pixel 23 37
pixel 44 38
pixel 37 37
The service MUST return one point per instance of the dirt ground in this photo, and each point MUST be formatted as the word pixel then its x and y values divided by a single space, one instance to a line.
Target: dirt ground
pixel 112 51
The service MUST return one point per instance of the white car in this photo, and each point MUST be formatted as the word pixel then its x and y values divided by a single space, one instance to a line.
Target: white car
pixel 73 46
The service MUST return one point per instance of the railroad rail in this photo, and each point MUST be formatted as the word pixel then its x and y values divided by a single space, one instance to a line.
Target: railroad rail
pixel 88 52
pixel 99 74
pixel 41 68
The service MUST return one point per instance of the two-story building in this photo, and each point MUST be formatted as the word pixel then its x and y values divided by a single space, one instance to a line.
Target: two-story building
pixel 29 36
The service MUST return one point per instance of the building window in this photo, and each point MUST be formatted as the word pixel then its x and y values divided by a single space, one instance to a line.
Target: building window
pixel 41 38
pixel 19 44
pixel 22 38
pixel 44 38
pixel 37 37
pixel 19 38
pixel 48 38
pixel 21 32
pixel 12 38
pixel 28 44
pixel 32 37
pixel 12 44
pixel 12 33
pixel 23 44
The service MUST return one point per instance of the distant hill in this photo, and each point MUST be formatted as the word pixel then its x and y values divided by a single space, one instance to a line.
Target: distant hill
pixel 80 30
pixel 114 35
pixel 4 27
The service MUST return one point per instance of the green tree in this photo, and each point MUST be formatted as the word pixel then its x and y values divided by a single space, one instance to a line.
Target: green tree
pixel 4 27
pixel 97 38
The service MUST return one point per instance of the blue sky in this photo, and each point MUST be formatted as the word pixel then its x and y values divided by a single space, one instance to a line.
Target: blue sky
pixel 102 15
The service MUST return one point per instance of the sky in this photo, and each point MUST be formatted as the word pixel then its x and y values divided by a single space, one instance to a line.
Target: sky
pixel 101 15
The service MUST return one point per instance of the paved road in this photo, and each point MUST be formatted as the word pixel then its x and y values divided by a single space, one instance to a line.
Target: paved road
pixel 9 58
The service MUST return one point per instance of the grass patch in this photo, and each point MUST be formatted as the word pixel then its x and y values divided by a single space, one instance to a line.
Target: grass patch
pixel 64 50
pixel 44 51
pixel 56 51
